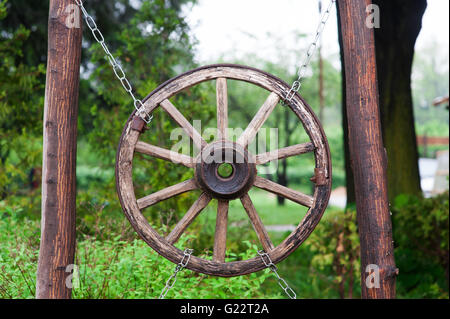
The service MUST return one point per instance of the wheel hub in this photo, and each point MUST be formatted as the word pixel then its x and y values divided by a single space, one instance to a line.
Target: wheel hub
pixel 225 170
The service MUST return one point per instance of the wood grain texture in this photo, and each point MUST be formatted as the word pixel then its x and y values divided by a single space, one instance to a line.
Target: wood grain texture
pixel 220 237
pixel 164 154
pixel 284 153
pixel 188 218
pixel 58 229
pixel 306 117
pixel 184 123
pixel 366 149
pixel 257 224
pixel 167 193
pixel 286 192
pixel 257 122
pixel 222 107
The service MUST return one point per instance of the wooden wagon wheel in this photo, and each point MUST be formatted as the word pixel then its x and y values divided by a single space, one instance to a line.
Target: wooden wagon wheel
pixel 223 188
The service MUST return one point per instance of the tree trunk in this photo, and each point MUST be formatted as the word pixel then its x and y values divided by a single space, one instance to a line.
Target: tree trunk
pixel 282 180
pixel 400 21
pixel 367 153
pixel 282 177
pixel 57 246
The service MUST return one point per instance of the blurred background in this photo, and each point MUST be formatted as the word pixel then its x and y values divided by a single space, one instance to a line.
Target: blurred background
pixel 157 39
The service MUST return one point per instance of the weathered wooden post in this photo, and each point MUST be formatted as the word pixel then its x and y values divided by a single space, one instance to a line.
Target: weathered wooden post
pixel 59 153
pixel 368 156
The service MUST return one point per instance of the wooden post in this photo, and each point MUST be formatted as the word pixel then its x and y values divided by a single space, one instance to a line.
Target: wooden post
pixel 368 156
pixel 57 246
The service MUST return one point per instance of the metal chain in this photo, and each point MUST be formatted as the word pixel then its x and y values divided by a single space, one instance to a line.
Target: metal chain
pixel 283 284
pixel 173 278
pixel 309 54
pixel 118 71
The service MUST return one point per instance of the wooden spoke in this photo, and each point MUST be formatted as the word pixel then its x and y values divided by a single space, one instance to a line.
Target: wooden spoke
pixel 188 218
pixel 184 123
pixel 220 239
pixel 258 226
pixel 164 154
pixel 222 107
pixel 263 113
pixel 166 193
pixel 284 153
pixel 283 191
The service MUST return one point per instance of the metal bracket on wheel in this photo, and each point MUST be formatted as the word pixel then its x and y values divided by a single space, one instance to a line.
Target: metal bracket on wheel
pixel 320 177
pixel 138 124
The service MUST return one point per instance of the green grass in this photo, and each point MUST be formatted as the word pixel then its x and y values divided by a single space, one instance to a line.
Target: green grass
pixel 120 265
pixel 240 227
pixel 114 268
pixel 268 209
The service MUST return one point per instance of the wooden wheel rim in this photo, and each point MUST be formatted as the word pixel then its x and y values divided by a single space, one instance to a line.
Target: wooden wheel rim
pixel 129 139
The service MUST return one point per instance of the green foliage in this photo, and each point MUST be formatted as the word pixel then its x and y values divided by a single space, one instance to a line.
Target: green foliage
pixel 20 173
pixel 327 264
pixel 112 268
pixel 336 247
pixel 113 263
pixel 3 11
pixel 430 80
pixel 149 38
pixel 21 85
pixel 421 234
pixel 151 41
pixel 152 46
pixel 21 101
pixel 122 269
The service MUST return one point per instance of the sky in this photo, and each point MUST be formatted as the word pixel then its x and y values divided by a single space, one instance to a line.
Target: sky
pixel 231 29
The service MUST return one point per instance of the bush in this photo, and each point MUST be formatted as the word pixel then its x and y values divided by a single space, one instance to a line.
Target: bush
pixel 421 228
pixel 326 265
pixel 337 245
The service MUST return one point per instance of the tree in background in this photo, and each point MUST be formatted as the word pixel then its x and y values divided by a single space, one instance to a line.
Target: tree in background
pixel 246 100
pixel 430 80
pixel 401 21
pixel 150 40
pixel 21 101
pixel 400 24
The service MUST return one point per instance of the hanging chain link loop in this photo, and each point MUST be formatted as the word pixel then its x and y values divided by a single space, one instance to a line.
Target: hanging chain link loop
pixel 309 54
pixel 117 68
pixel 173 278
pixel 283 284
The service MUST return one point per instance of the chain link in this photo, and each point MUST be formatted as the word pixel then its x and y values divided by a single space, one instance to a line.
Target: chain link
pixel 118 70
pixel 173 278
pixel 283 284
pixel 309 54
